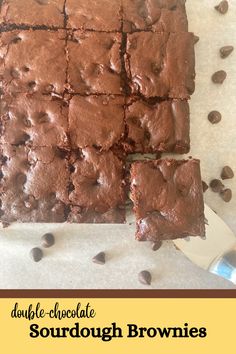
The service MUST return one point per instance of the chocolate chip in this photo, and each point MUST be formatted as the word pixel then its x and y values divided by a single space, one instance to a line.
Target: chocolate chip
pixel 226 51
pixel 36 254
pixel 226 195
pixel 219 77
pixel 156 245
pixel 204 186
pixel 99 258
pixel 222 7
pixel 216 185
pixel 214 117
pixel 196 39
pixel 145 277
pixel 48 240
pixel 227 173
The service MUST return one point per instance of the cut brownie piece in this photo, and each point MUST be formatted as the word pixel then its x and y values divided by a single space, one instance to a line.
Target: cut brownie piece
pixel 168 199
pixel 156 15
pixel 102 15
pixel 158 127
pixel 34 120
pixel 98 193
pixel 33 61
pixel 94 63
pixel 34 184
pixel 166 69
pixel 96 121
pixel 32 13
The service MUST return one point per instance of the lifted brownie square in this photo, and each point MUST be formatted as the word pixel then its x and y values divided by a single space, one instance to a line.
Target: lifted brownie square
pixel 33 61
pixel 94 63
pixel 168 199
pixel 34 184
pixel 155 15
pixel 166 69
pixel 102 15
pixel 157 127
pixel 32 13
pixel 96 121
pixel 34 120
pixel 97 188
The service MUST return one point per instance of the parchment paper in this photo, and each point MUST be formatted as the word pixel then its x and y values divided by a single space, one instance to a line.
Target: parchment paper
pixel 68 264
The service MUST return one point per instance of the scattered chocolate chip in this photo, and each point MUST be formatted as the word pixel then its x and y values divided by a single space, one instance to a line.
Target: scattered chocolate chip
pixel 204 186
pixel 48 240
pixel 222 7
pixel 156 245
pixel 226 51
pixel 227 173
pixel 214 117
pixel 219 77
pixel 226 195
pixel 36 254
pixel 196 39
pixel 99 258
pixel 216 185
pixel 145 277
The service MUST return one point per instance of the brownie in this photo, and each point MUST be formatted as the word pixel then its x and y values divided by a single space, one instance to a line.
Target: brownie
pixel 33 61
pixel 97 188
pixel 168 199
pixel 159 127
pixel 96 121
pixel 34 184
pixel 94 63
pixel 32 13
pixel 156 15
pixel 102 15
pixel 34 120
pixel 166 69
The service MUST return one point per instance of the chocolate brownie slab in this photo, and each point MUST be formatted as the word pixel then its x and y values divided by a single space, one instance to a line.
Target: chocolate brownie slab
pixel 98 193
pixel 168 199
pixel 102 15
pixel 33 61
pixel 166 69
pixel 34 120
pixel 155 15
pixel 96 121
pixel 94 63
pixel 32 12
pixel 34 184
pixel 159 127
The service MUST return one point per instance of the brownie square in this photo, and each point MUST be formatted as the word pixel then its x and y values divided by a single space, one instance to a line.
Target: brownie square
pixel 168 199
pixel 33 61
pixel 34 184
pixel 166 69
pixel 33 13
pixel 159 127
pixel 102 15
pixel 96 121
pixel 94 63
pixel 155 15
pixel 97 188
pixel 34 120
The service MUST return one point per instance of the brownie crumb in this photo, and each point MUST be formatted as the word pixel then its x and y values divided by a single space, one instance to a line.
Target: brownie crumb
pixel 36 254
pixel 204 186
pixel 145 277
pixel 226 51
pixel 99 258
pixel 196 39
pixel 48 240
pixel 214 117
pixel 156 245
pixel 216 186
pixel 227 173
pixel 219 77
pixel 226 195
pixel 222 7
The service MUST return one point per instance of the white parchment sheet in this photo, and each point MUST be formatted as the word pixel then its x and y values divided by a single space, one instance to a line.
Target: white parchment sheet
pixel 68 264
